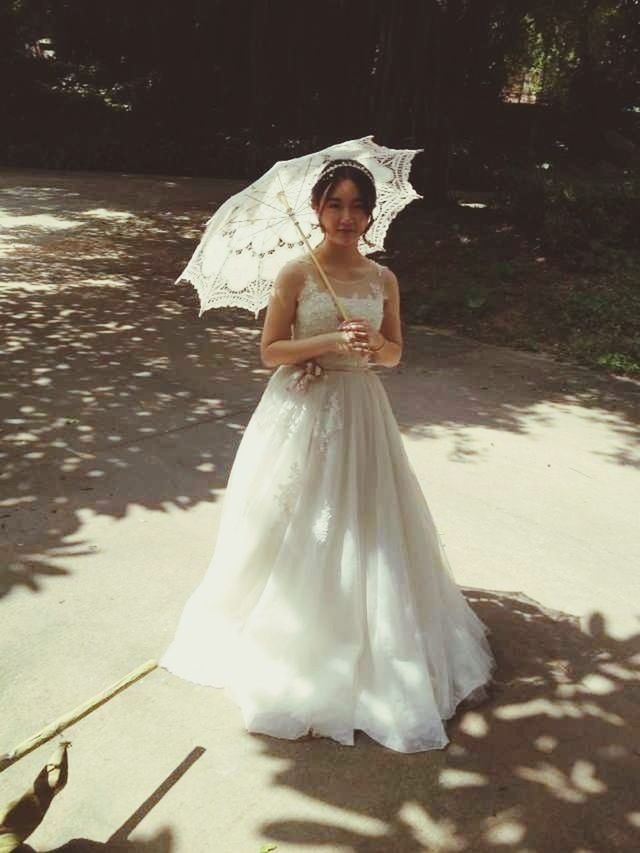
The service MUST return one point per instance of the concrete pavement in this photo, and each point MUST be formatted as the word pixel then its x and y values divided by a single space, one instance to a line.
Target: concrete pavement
pixel 121 412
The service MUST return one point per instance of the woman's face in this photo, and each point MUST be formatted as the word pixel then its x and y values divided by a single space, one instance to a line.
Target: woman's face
pixel 344 216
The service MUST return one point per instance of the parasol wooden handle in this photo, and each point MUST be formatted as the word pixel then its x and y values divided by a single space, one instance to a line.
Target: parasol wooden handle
pixel 334 295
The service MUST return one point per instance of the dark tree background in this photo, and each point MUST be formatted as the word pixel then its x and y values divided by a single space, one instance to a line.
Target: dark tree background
pixel 223 88
pixel 528 112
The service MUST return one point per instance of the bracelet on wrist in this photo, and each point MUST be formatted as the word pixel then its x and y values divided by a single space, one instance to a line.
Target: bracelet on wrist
pixel 377 349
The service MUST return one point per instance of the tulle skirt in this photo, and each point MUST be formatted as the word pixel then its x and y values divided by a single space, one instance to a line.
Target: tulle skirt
pixel 329 605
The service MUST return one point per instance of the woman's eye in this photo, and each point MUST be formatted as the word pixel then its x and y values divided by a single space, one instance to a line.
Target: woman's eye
pixel 334 205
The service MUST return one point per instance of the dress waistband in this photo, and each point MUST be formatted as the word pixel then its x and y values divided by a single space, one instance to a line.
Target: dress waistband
pixel 356 368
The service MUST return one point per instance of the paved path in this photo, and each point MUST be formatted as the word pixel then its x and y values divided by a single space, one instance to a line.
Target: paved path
pixel 121 412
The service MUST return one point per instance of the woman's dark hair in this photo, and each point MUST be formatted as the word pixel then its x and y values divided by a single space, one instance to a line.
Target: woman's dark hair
pixel 331 176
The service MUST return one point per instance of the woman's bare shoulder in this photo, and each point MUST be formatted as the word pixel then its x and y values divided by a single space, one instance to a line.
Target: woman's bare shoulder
pixel 291 278
pixel 389 282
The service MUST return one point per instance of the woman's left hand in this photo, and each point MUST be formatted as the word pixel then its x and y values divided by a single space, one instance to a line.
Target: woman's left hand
pixel 363 330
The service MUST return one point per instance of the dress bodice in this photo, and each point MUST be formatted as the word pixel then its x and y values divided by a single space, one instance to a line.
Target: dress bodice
pixel 316 311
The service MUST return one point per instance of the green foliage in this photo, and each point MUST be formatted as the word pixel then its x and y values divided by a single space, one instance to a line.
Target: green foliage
pixel 598 321
pixel 585 224
pixel 578 54
pixel 476 297
pixel 481 276
pixel 619 363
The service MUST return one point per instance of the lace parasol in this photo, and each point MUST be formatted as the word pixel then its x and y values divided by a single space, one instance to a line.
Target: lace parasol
pixel 256 231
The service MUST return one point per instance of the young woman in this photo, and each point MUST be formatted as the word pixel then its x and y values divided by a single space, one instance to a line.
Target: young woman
pixel 329 605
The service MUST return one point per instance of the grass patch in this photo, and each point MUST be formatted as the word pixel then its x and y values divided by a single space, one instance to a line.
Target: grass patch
pixel 473 270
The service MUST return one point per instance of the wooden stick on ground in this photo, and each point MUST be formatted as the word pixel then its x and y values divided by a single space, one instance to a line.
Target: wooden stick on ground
pixel 66 720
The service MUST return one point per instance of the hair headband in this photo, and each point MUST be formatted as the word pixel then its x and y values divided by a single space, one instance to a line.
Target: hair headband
pixel 352 164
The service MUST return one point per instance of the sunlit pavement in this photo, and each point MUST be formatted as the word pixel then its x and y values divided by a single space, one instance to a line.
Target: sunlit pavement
pixel 121 412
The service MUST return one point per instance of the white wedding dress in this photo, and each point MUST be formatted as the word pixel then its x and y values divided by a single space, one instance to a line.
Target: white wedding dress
pixel 329 605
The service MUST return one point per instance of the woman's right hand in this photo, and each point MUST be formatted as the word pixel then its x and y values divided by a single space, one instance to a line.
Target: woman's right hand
pixel 347 342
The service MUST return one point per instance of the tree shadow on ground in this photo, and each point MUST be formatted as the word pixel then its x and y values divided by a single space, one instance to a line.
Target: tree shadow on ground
pixel 116 394
pixel 547 763
pixel 162 842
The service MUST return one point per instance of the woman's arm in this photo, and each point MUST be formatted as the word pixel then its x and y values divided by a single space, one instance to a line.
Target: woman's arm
pixel 276 344
pixel 390 330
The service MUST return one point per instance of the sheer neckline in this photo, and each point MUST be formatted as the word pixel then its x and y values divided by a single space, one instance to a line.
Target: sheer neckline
pixel 349 280
pixel 372 291
pixel 375 268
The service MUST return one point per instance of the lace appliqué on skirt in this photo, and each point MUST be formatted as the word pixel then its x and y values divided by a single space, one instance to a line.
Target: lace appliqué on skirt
pixel 320 527
pixel 288 491
pixel 329 421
